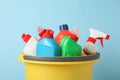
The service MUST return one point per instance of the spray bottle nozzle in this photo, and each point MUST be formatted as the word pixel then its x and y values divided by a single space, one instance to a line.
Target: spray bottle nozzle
pixel 107 37
pixel 101 39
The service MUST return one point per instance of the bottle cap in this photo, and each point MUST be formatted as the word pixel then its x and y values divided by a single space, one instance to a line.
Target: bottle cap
pixel 42 33
pixel 64 27
pixel 40 29
pixel 26 37
pixel 46 34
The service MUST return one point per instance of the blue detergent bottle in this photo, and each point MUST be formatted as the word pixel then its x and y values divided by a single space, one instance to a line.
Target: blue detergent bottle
pixel 47 46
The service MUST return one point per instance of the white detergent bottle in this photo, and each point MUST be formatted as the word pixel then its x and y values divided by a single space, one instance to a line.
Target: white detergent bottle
pixel 30 48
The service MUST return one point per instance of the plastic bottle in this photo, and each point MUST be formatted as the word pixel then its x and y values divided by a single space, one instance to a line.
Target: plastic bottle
pixel 90 47
pixel 30 48
pixel 76 32
pixel 64 32
pixel 47 46
pixel 70 48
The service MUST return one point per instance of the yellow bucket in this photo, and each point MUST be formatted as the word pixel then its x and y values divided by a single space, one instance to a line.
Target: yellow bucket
pixel 59 68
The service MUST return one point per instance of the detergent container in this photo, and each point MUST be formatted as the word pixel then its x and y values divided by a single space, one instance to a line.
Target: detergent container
pixel 59 68
pixel 69 47
pixel 47 46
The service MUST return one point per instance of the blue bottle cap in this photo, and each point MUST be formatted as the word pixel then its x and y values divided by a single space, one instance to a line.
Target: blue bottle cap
pixel 64 27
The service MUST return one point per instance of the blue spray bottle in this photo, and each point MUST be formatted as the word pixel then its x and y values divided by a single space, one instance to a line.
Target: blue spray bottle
pixel 47 46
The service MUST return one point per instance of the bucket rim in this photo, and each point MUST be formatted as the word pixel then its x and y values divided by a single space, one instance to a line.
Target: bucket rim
pixel 62 59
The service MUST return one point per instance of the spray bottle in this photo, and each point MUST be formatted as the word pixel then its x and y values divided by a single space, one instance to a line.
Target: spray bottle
pixel 64 31
pixel 47 46
pixel 90 47
pixel 30 48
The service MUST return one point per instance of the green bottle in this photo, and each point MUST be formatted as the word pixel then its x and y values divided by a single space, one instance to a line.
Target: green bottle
pixel 69 47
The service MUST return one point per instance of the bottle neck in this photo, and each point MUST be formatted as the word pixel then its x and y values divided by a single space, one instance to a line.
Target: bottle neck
pixel 91 39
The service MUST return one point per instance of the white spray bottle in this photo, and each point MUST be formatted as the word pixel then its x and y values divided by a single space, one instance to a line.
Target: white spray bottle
pixel 30 48
pixel 90 47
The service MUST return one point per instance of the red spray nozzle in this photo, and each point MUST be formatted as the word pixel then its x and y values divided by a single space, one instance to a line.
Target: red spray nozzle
pixel 26 37
pixel 107 37
pixel 93 40
pixel 101 39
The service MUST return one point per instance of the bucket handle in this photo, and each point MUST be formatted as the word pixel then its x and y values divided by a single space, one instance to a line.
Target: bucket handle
pixel 21 57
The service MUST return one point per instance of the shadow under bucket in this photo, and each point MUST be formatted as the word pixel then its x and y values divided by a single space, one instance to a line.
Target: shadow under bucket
pixel 59 68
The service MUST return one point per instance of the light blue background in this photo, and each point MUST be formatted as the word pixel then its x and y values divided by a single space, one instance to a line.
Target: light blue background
pixel 18 16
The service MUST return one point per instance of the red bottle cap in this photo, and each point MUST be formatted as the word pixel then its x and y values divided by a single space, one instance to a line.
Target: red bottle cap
pixel 26 37
pixel 42 33
pixel 46 33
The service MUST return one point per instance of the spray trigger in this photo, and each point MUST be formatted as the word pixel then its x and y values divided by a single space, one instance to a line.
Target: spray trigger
pixel 101 41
